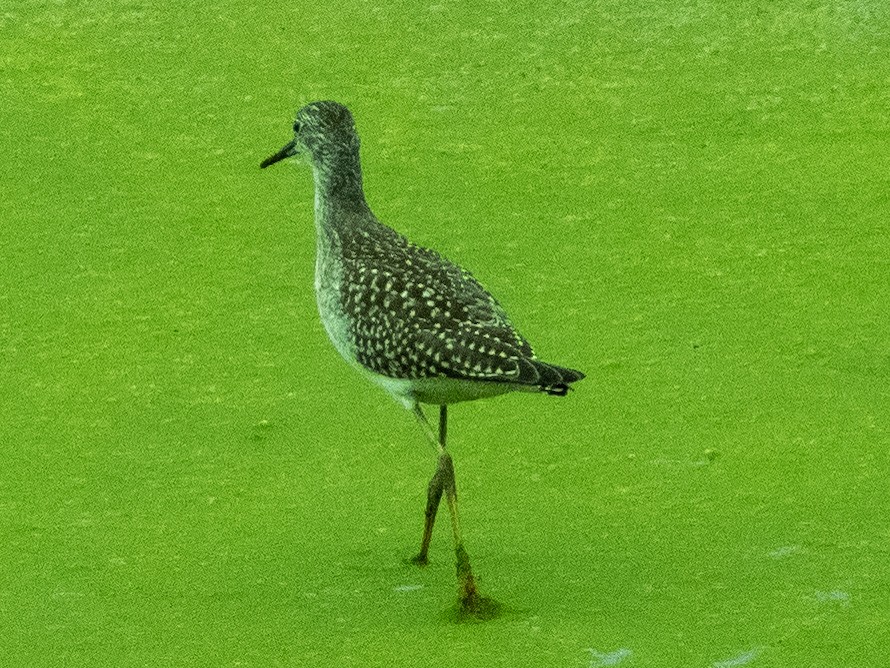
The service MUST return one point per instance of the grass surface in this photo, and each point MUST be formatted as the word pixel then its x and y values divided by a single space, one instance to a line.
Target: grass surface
pixel 686 200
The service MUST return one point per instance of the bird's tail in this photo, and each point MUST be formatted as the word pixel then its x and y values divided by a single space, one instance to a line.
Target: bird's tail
pixel 553 379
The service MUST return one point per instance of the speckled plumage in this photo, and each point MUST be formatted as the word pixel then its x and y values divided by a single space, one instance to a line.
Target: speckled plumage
pixel 422 327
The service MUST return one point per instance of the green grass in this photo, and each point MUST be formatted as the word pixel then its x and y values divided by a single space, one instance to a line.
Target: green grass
pixel 686 200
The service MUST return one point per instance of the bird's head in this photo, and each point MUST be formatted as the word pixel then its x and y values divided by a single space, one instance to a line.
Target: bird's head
pixel 323 131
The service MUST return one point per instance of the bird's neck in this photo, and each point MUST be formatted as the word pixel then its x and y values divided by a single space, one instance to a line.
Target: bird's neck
pixel 340 206
pixel 338 183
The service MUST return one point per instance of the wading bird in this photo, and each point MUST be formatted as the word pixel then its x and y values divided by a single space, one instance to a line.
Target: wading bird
pixel 408 319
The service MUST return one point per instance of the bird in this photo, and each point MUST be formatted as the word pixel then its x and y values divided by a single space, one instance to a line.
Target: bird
pixel 414 323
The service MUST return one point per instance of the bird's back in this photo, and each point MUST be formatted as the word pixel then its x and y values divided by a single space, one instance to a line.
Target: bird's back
pixel 413 315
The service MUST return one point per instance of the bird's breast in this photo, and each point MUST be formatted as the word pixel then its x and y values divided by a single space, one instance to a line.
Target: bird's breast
pixel 328 282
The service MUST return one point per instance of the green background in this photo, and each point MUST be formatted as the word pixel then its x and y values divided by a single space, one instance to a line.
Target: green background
pixel 688 200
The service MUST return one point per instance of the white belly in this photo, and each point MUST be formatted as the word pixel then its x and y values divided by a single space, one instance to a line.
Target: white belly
pixel 438 391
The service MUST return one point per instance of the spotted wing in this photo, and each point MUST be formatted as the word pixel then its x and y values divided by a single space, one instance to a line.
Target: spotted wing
pixel 417 315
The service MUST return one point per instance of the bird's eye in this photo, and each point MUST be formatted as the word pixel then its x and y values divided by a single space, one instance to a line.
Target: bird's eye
pixel 296 127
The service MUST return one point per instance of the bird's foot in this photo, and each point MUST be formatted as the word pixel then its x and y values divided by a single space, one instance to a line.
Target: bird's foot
pixel 471 605
pixel 418 559
pixel 477 608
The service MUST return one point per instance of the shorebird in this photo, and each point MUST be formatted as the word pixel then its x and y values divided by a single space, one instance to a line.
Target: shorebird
pixel 412 322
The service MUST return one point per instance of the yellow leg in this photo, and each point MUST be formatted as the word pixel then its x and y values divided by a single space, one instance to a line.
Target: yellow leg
pixel 437 482
pixel 469 600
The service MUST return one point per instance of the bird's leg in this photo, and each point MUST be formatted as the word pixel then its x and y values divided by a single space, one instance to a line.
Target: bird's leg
pixel 443 424
pixel 471 603
pixel 436 486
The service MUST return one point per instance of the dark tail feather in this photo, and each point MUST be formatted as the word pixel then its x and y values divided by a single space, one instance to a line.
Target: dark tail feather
pixel 569 375
pixel 554 379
